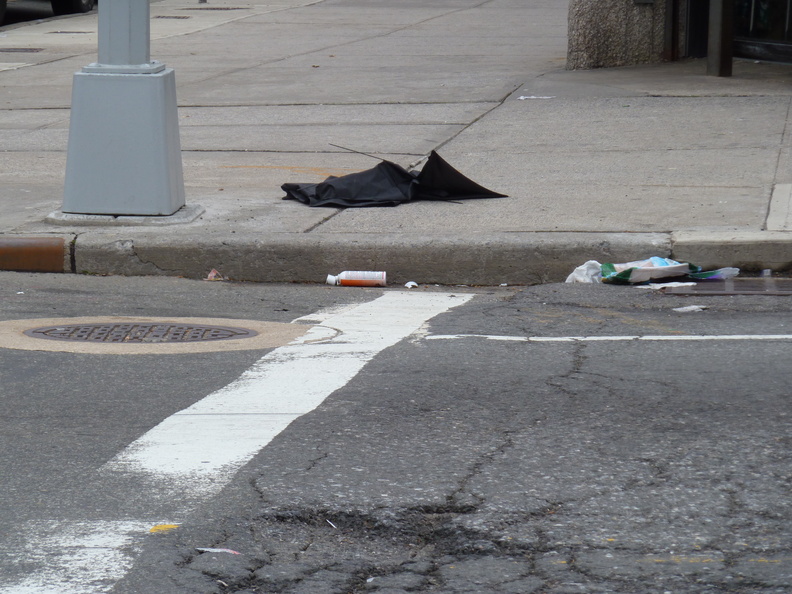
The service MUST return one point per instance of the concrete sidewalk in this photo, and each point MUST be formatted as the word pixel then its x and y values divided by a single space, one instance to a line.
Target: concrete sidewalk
pixel 613 164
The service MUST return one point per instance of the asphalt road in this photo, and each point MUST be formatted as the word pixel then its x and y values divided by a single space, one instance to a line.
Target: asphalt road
pixel 467 453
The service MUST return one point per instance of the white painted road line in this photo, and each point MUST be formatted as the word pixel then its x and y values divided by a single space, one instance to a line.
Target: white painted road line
pixel 198 450
pixel 206 443
pixel 76 557
pixel 648 337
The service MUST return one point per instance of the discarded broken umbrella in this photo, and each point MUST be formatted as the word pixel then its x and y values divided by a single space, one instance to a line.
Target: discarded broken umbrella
pixel 389 184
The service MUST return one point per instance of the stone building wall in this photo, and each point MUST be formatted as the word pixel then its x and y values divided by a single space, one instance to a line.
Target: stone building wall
pixel 605 33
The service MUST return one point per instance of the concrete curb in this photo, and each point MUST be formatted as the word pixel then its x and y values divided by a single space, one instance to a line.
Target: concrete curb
pixel 494 259
pixel 747 250
pixel 35 254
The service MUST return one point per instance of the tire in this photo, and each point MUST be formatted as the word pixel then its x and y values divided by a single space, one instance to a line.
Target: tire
pixel 60 7
pixel 2 10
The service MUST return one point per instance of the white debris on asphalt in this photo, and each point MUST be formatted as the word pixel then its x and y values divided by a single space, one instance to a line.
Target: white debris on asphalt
pixel 690 308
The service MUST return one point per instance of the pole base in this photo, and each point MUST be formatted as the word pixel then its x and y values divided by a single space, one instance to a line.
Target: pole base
pixel 124 152
pixel 183 216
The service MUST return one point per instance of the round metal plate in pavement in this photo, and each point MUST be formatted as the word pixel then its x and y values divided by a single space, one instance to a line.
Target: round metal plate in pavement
pixel 139 333
pixel 131 335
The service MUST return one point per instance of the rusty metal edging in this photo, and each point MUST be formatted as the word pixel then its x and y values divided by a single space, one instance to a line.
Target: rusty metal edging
pixel 33 254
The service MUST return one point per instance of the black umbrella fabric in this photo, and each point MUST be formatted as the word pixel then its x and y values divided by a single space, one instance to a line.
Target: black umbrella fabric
pixel 389 184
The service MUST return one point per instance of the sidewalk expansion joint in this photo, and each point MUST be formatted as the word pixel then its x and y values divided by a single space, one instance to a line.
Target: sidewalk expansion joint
pixel 322 222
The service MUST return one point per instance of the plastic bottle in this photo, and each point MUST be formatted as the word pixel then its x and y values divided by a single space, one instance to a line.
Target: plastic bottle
pixel 357 278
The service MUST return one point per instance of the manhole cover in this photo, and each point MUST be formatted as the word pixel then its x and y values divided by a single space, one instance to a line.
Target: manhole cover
pixel 129 335
pixel 139 333
pixel 736 286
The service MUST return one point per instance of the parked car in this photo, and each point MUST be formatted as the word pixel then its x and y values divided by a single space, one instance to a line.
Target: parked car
pixel 58 6
pixel 71 6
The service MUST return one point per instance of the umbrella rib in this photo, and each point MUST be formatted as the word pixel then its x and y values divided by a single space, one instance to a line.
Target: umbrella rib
pixel 354 151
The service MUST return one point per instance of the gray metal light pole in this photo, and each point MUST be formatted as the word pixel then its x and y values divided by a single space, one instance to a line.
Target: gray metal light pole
pixel 124 153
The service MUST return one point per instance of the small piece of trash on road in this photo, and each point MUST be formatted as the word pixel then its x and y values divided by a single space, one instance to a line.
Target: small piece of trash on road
pixel 411 285
pixel 658 286
pixel 214 276
pixel 329 522
pixel 358 278
pixel 690 308
pixel 524 97
pixel 209 550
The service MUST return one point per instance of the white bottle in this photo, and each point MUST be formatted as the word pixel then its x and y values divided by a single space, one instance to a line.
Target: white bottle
pixel 357 278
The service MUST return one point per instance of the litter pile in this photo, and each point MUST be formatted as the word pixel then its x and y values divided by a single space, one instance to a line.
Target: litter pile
pixel 642 271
